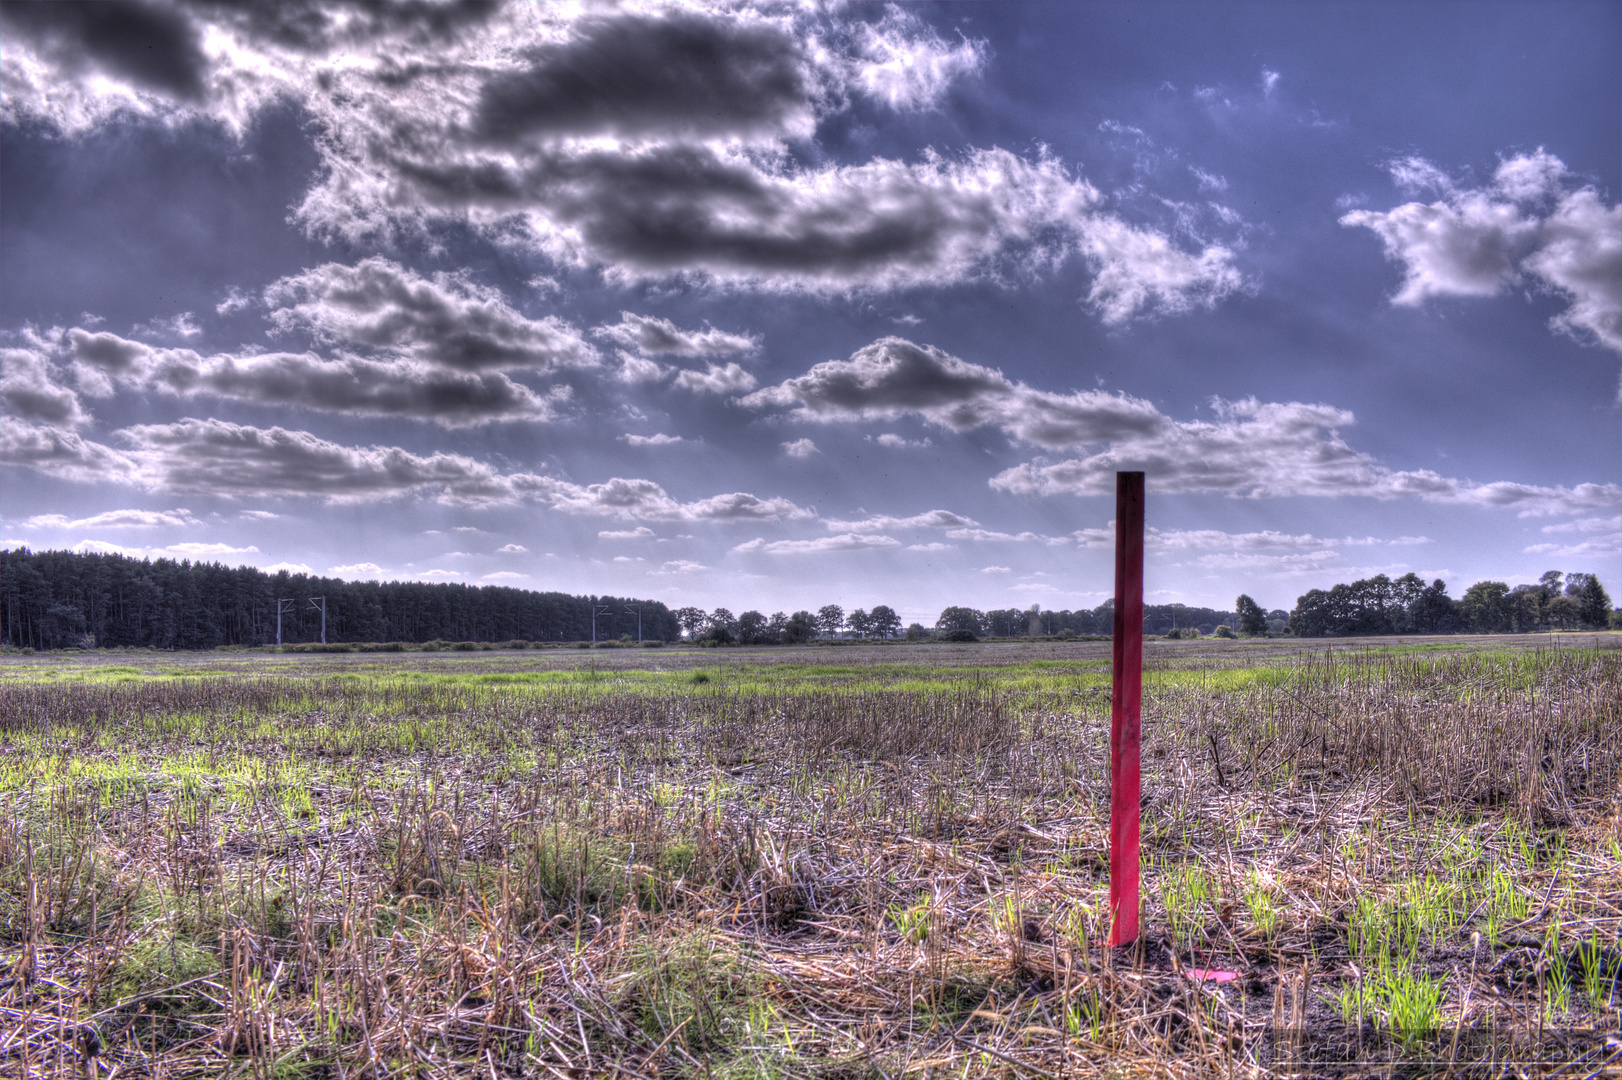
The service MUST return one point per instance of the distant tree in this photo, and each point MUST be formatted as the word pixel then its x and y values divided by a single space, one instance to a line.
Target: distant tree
pixel 691 619
pixel 752 628
pixel 1434 612
pixel 960 619
pixel 723 618
pixel 830 619
pixel 1564 613
pixel 1593 603
pixel 885 622
pixel 859 623
pixel 917 632
pixel 776 628
pixel 1484 607
pixel 1252 618
pixel 801 627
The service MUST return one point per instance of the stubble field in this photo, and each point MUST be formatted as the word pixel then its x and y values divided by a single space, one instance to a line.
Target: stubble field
pixel 1365 859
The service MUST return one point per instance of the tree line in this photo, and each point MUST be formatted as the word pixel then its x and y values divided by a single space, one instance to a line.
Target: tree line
pixel 55 599
pixel 1379 605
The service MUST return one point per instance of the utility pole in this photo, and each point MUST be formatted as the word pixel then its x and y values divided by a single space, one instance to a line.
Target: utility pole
pixel 281 606
pixel 597 613
pixel 1126 697
pixel 637 611
pixel 321 602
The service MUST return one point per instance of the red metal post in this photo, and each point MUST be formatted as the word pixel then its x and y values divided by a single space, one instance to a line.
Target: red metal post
pixel 1126 700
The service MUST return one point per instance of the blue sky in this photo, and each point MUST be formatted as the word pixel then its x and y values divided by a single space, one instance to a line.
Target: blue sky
pixel 773 307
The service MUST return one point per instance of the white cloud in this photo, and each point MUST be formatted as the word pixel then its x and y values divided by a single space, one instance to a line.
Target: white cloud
pixel 727 378
pixel 650 335
pixel 259 515
pixel 438 575
pixel 194 551
pixel 1530 223
pixel 357 570
pixel 447 320
pixel 289 567
pixel 929 519
pixel 933 545
pixel 503 575
pixel 842 542
pixel 512 549
pixel 800 448
pixel 1260 450
pixel 897 442
pixel 683 566
pixel 990 535
pixel 903 63
pixel 1602 538
pixel 114 519
pixel 660 439
pixel 995 570
pixel 641 532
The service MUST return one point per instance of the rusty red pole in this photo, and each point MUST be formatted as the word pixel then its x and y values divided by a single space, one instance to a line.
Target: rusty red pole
pixel 1126 700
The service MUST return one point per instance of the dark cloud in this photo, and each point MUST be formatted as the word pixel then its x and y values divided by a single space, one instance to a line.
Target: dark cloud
pixel 30 391
pixel 152 46
pixel 109 352
pixel 894 376
pixel 346 383
pixel 216 457
pixel 685 74
pixel 445 320
pixel 319 26
pixel 353 385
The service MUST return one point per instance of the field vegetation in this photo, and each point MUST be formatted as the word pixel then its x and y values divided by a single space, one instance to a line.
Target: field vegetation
pixel 862 862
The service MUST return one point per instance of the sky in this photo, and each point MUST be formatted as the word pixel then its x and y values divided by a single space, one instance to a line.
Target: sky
pixel 776 306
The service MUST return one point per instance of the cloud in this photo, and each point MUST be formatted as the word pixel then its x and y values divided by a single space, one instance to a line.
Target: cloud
pixel 193 551
pixel 1602 538
pixel 800 448
pixel 503 575
pixel 659 439
pixel 1587 525
pixel 717 379
pixel 933 545
pixel 992 536
pixel 115 519
pixel 151 47
pixel 438 575
pixel 447 320
pixel 448 396
pixel 512 549
pixel 650 335
pixel 31 392
pixel 63 454
pixel 645 142
pixel 289 567
pixel 1263 450
pixel 896 442
pixel 682 566
pixel 259 515
pixel 357 570
pixel 843 542
pixel 641 532
pixel 903 63
pixel 1529 224
pixel 995 570
pixel 217 457
pixel 894 376
pixel 929 519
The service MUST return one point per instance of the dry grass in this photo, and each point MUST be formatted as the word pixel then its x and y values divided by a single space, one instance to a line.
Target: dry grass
pixel 1409 859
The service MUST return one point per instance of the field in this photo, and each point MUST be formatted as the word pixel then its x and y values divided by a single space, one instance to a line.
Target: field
pixel 1359 859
